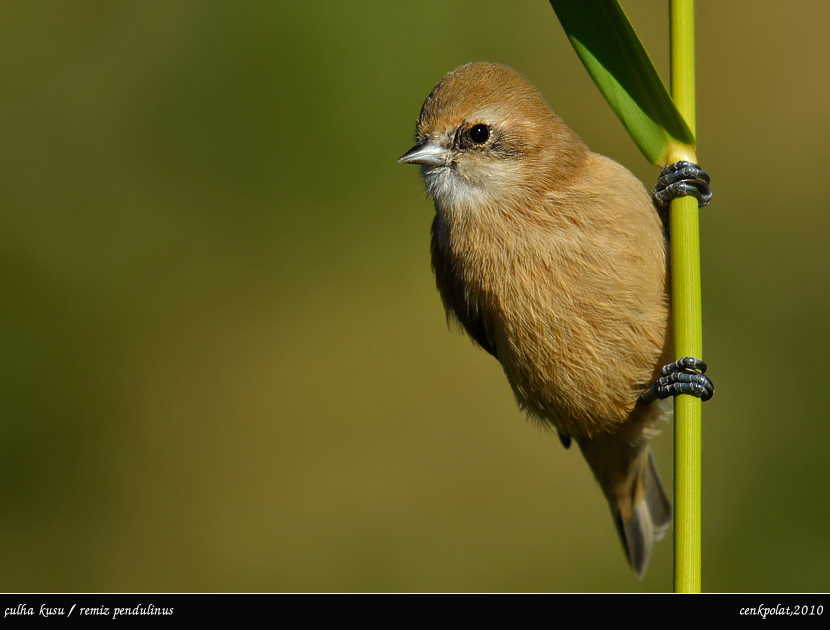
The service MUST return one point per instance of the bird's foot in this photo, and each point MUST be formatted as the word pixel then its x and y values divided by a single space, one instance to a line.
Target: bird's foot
pixel 684 376
pixel 680 180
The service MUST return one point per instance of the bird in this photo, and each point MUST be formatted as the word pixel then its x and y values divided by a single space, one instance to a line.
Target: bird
pixel 553 259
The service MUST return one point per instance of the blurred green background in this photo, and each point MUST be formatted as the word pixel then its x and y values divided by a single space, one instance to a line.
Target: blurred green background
pixel 225 366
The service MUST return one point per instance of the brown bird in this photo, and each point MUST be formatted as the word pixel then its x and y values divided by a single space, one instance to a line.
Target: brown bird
pixel 553 259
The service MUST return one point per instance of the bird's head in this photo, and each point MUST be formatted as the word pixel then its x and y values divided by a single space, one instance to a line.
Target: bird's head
pixel 486 133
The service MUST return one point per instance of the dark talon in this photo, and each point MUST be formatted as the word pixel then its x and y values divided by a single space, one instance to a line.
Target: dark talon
pixel 682 179
pixel 684 376
pixel 686 363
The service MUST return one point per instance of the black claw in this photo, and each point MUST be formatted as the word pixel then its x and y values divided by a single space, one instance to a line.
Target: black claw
pixel 684 376
pixel 682 179
pixel 686 363
pixel 683 170
pixel 564 438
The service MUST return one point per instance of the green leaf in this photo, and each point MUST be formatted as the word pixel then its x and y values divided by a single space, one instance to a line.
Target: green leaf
pixel 615 58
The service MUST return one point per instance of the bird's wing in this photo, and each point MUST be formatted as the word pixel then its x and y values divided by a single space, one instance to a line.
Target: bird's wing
pixel 457 305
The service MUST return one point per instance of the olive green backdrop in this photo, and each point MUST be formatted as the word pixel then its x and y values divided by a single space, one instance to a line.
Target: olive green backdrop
pixel 225 366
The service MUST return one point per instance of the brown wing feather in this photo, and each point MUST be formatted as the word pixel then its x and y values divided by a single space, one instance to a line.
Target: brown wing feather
pixel 453 296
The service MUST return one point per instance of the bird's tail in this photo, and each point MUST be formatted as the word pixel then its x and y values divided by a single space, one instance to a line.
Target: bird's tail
pixel 641 509
pixel 648 522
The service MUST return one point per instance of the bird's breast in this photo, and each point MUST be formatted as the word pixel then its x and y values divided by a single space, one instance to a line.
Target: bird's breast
pixel 575 325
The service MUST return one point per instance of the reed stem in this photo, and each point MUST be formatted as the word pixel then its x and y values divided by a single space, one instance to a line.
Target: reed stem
pixel 686 308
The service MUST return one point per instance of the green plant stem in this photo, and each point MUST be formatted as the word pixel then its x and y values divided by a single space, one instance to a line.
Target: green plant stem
pixel 686 307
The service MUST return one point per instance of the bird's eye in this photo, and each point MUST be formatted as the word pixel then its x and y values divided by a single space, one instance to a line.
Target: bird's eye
pixel 480 134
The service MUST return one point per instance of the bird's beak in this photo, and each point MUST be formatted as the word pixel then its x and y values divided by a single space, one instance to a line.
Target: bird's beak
pixel 426 153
